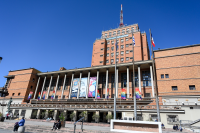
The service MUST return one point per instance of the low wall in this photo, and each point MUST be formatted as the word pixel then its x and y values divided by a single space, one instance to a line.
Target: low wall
pixel 135 126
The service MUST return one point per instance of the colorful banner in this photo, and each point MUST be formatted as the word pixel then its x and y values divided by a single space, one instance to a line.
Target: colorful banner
pixel 107 93
pixel 138 93
pixel 75 87
pixel 30 95
pixel 98 94
pixel 123 94
pixel 82 91
pixel 44 93
pixel 53 95
pixel 39 96
pixel 92 87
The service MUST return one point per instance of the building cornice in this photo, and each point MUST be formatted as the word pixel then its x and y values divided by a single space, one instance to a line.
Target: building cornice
pixel 194 45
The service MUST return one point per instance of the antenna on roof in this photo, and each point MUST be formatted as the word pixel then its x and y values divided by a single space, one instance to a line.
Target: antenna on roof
pixel 121 17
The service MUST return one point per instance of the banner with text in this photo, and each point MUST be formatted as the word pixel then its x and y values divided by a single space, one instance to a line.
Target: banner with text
pixel 75 87
pixel 82 91
pixel 92 87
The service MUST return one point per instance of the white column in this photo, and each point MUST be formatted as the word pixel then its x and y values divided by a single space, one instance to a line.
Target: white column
pixel 88 83
pixel 97 85
pixel 152 84
pixel 71 85
pixel 56 85
pixel 49 87
pixel 63 86
pixel 139 76
pixel 127 82
pixel 36 87
pixel 43 84
pixel 106 83
pixel 79 85
pixel 117 85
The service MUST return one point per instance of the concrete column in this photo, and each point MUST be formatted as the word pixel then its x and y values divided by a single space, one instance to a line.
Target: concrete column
pixel 86 116
pixel 97 113
pixel 88 84
pixel 36 87
pixel 117 85
pixel 139 76
pixel 71 85
pixel 65 114
pixel 106 83
pixel 55 114
pixel 152 84
pixel 47 113
pixel 127 82
pixel 43 85
pixel 49 87
pixel 63 86
pixel 38 114
pixel 109 113
pixel 56 85
pixel 75 112
pixel 79 85
pixel 97 83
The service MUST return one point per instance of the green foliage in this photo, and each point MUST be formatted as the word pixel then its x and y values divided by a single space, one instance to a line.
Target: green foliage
pixel 43 114
pixel 108 117
pixel 1 114
pixel 62 117
pixel 83 114
pixel 72 116
pixel 34 113
pixel 95 117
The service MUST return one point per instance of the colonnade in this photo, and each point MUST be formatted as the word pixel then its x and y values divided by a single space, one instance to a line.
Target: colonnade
pixel 88 81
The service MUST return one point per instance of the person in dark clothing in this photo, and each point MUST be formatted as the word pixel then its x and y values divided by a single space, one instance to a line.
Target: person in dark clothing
pixel 20 123
pixel 16 126
pixel 174 127
pixel 57 125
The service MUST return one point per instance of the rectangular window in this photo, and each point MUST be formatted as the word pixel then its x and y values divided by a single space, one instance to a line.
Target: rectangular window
pixel 126 39
pixel 192 87
pixel 118 32
pixel 131 57
pixel 174 88
pixel 123 80
pixel 131 50
pixel 46 85
pixel 123 31
pixel 108 42
pixel 166 75
pixel 122 40
pixel 112 54
pixel 127 30
pixel 162 76
pixel 117 40
pixel 122 59
pixel 66 84
pixel 108 48
pixel 107 61
pixel 117 59
pixel 107 55
pixel 13 94
pixel 110 34
pixel 112 48
pixel 127 58
pixel 59 84
pixel 101 55
pixel 117 53
pixel 102 43
pixel 101 48
pixel 136 79
pixel 111 60
pixel 147 95
pixel 114 33
pixel 122 52
pixel 127 45
pixel 23 112
pixel 127 51
pixel 122 46
pixel 53 84
pixel 112 42
pixel 101 62
pixel 146 78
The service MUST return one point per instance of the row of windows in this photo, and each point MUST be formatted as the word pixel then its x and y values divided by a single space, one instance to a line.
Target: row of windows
pixel 14 94
pixel 191 87
pixel 166 76
pixel 112 41
pixel 122 59
pixel 118 32
pixel 112 48
pixel 122 53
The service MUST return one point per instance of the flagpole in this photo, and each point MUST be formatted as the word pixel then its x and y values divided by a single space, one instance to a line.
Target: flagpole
pixel 115 80
pixel 135 107
pixel 155 80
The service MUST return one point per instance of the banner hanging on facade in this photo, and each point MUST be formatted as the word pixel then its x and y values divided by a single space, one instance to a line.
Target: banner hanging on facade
pixel 75 87
pixel 107 93
pixel 82 91
pixel 138 93
pixel 123 94
pixel 39 96
pixel 53 95
pixel 44 93
pixel 92 87
pixel 98 94
pixel 30 95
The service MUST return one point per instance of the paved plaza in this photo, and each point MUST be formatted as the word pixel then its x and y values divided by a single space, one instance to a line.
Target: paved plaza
pixel 45 127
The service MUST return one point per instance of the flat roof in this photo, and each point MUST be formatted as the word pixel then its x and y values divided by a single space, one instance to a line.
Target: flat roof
pixel 194 45
pixel 24 69
pixel 120 27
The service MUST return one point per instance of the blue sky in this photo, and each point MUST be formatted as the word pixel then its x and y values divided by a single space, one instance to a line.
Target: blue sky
pixel 49 34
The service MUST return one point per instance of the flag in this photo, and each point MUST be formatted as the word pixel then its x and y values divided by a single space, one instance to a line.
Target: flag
pixel 30 95
pixel 152 42
pixel 123 94
pixel 133 41
pixel 53 95
pixel 107 93
pixel 39 96
pixel 98 95
pixel 43 97
pixel 138 93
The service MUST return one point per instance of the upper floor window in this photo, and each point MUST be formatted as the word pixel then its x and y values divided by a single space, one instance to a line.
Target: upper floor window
pixel 112 48
pixel 126 39
pixel 127 58
pixel 111 60
pixel 122 52
pixel 13 94
pixel 122 40
pixel 101 61
pixel 112 42
pixel 102 43
pixel 127 30
pixel 117 59
pixel 117 40
pixel 107 54
pixel 117 53
pixel 108 48
pixel 122 46
pixel 101 48
pixel 114 33
pixel 127 51
pixel 101 55
pixel 112 54
pixel 122 59
pixel 192 87
pixel 166 75
pixel 162 76
pixel 123 31
pixel 131 50
pixel 118 32
pixel 19 94
pixel 110 34
pixel 107 61
pixel 146 78
pixel 108 42
pixel 174 88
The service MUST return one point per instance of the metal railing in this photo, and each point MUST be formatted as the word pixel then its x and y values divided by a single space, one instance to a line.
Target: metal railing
pixel 81 124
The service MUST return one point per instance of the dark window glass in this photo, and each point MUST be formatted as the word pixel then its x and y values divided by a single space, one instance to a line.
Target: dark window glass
pixel 174 88
pixel 123 80
pixel 192 87
pixel 59 84
pixel 53 84
pixel 46 84
pixel 146 78
pixel 136 79
pixel 162 76
pixel 66 84
pixel 147 95
pixel 166 75
pixel 113 81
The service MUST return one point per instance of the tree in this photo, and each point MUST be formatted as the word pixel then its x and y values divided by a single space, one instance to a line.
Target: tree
pixel 62 117
pixel 108 117
pixel 95 117
pixel 72 116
